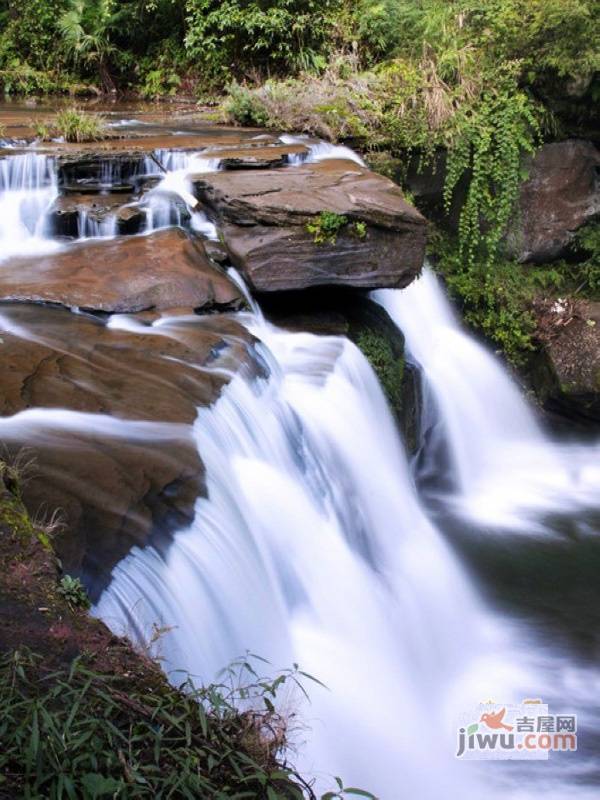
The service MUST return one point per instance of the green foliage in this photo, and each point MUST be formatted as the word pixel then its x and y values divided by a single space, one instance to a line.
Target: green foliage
pixel 487 142
pixel 73 591
pixel 80 735
pixel 28 33
pixel 245 107
pixel 160 82
pixel 87 28
pixel 324 228
pixel 241 35
pixel 388 367
pixel 495 299
pixel 498 296
pixel 77 126
pixel 360 230
pixel 41 130
pixel 587 272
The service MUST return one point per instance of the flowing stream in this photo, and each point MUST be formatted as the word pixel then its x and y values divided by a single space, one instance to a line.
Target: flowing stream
pixel 315 543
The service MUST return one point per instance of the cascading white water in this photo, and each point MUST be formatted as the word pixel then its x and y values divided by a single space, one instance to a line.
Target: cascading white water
pixel 507 469
pixel 312 547
pixel 319 151
pixel 162 210
pixel 27 188
pixel 88 227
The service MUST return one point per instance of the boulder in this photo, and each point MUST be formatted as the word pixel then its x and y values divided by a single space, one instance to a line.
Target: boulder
pixel 162 270
pixel 107 420
pixel 567 375
pixel 265 216
pixel 561 194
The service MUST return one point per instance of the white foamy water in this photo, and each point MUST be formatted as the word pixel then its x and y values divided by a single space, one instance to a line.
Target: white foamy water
pixel 27 189
pixel 507 470
pixel 161 202
pixel 319 151
pixel 313 548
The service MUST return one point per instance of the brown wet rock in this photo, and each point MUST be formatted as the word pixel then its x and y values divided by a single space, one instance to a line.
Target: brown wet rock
pixel 147 143
pixel 561 194
pixel 108 416
pixel 162 270
pixel 264 217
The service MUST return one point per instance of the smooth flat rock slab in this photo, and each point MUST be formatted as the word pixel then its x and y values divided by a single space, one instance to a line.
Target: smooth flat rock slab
pixel 108 422
pixel 264 216
pixel 162 270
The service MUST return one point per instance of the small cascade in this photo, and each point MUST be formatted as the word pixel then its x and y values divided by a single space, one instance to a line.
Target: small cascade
pixel 319 151
pixel 163 203
pixel 162 209
pixel 167 160
pixel 88 227
pixel 28 185
pixel 507 470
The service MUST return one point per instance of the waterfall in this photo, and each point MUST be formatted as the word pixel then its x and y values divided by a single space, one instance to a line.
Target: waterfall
pixel 28 186
pixel 507 470
pixel 319 151
pixel 311 547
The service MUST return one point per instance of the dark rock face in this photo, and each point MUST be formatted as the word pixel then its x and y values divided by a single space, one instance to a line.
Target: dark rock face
pixel 567 375
pixel 264 217
pixel 163 270
pixel 561 194
pixel 117 480
pixel 65 214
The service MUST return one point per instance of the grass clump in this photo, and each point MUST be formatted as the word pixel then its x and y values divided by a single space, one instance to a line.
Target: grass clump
pixel 78 126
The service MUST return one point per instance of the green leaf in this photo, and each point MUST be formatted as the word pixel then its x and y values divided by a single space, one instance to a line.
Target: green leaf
pixel 472 728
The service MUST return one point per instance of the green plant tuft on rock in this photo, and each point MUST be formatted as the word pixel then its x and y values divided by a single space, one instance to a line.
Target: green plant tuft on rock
pixel 325 227
pixel 73 591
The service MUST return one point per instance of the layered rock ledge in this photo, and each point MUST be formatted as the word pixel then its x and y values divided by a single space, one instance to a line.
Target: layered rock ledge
pixel 267 221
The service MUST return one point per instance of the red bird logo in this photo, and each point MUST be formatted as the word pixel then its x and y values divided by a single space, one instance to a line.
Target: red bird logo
pixel 494 721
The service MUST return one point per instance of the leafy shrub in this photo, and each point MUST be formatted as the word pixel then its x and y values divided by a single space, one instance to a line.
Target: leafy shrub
pixel 240 35
pixel 245 107
pixel 73 592
pixel 159 83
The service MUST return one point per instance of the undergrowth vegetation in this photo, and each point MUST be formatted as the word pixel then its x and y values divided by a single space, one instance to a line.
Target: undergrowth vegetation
pixel 78 734
pixel 503 298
